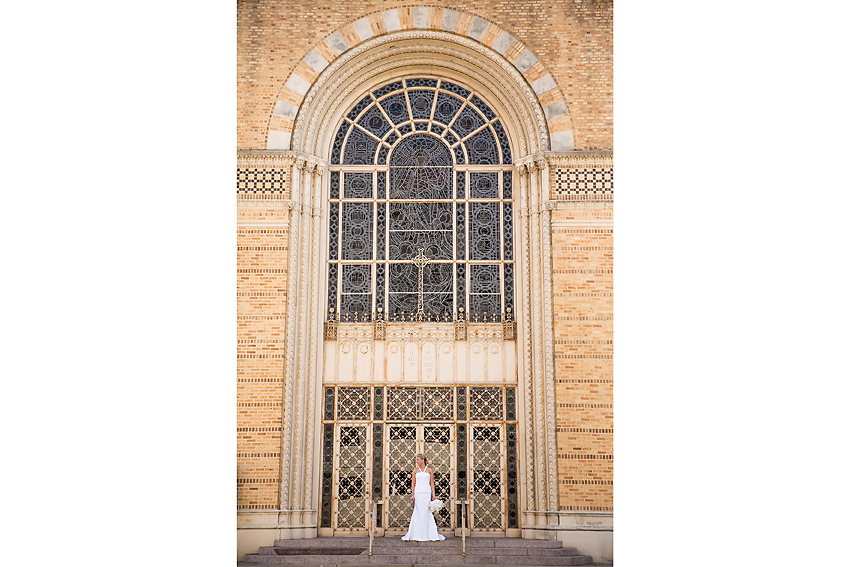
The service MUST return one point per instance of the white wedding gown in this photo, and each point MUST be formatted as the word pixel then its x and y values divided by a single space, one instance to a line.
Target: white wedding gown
pixel 422 524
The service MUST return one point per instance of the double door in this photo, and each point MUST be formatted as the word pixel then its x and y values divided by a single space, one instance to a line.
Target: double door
pixel 376 461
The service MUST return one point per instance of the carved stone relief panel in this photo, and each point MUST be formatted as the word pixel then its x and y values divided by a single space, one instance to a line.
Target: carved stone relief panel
pixel 420 353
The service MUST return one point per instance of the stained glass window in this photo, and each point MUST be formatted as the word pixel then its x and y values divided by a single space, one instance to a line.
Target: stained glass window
pixel 421 214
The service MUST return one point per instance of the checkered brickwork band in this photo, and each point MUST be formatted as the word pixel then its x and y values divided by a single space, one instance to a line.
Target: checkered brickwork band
pixel 584 181
pixel 260 180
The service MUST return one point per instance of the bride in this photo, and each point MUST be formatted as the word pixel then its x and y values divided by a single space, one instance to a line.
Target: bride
pixel 422 524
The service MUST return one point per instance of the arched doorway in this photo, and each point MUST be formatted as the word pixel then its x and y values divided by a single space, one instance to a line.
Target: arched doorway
pixel 508 350
pixel 420 309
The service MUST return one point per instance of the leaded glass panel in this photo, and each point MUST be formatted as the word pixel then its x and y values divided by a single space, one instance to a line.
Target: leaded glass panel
pixel 485 289
pixel 420 168
pixel 358 306
pixel 447 107
pixel 460 232
pixel 459 157
pixel 467 122
pixel 333 232
pixel 436 289
pixel 382 154
pixel 482 106
pixel 396 108
pixel 423 207
pixel 332 287
pixel 509 287
pixel 508 216
pixel 381 228
pixel 336 152
pixel 484 231
pixel 373 121
pixel 358 108
pixel 421 82
pixel 482 148
pixel 507 185
pixel 360 148
pixel 421 103
pixel 334 194
pixel 484 185
pixel 356 278
pixel 461 286
pixel 386 89
pixel 358 185
pixel 405 244
pixel 382 185
pixel 451 87
pixel 380 285
pixel 357 231
pixel 503 142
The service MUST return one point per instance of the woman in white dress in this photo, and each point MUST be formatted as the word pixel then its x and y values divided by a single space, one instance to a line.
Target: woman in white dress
pixel 423 527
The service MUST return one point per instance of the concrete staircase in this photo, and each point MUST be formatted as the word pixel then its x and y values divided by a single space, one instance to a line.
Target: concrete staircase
pixel 393 551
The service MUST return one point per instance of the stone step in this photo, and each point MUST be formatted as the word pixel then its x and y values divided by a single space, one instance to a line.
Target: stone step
pixel 404 549
pixel 397 560
pixel 471 542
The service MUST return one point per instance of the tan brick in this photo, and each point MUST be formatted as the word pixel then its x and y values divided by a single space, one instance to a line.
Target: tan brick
pixel 376 21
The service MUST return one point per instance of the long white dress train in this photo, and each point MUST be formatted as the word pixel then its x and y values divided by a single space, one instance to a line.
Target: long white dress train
pixel 423 527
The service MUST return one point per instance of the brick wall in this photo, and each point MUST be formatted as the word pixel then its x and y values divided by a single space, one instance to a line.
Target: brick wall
pixel 573 40
pixel 262 251
pixel 582 264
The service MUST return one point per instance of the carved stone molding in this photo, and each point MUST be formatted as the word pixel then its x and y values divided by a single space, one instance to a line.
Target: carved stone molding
pixel 265 159
pixel 357 79
pixel 482 54
pixel 593 159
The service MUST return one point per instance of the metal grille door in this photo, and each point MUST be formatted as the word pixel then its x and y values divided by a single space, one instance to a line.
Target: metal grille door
pixel 351 482
pixel 486 456
pixel 401 450
pixel 370 439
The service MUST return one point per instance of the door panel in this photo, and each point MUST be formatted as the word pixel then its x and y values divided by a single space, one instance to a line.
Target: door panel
pixel 401 450
pixel 486 456
pixel 352 480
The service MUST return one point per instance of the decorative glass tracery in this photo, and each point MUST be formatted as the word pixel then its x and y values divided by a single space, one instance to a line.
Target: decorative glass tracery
pixel 421 168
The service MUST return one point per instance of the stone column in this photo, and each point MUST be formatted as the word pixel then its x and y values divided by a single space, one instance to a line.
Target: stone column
pixel 548 337
pixel 302 349
pixel 524 331
pixel 309 503
pixel 287 424
pixel 541 497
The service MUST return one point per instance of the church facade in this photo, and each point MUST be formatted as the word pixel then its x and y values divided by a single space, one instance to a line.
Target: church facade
pixel 425 265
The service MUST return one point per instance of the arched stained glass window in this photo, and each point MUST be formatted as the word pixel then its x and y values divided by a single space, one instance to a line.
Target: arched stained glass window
pixel 421 212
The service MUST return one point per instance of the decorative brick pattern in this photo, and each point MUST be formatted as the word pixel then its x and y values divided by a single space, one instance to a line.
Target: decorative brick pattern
pixel 277 40
pixel 583 182
pixel 260 180
pixel 582 281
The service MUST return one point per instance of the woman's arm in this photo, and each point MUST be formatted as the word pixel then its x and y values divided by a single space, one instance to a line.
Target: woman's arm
pixel 413 486
pixel 433 491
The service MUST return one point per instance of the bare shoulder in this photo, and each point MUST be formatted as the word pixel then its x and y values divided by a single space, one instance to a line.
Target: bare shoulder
pixel 429 470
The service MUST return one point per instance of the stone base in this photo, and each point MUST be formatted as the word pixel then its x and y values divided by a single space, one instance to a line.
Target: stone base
pixel 591 533
pixel 260 528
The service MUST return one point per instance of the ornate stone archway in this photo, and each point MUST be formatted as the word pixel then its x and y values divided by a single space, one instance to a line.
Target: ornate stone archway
pixel 484 37
pixel 314 124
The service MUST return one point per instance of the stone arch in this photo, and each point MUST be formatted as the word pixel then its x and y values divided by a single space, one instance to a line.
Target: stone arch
pixel 306 126
pixel 426 25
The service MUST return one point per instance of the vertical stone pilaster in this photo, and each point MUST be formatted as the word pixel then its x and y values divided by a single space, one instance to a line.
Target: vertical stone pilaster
pixel 303 343
pixel 548 336
pixel 525 364
pixel 313 375
pixel 291 332
pixel 536 317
